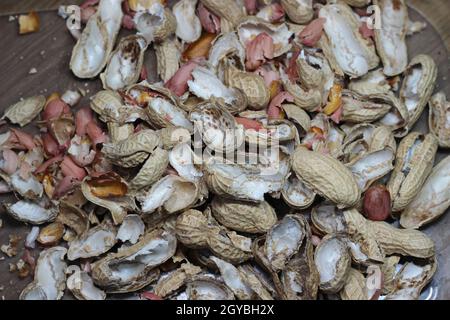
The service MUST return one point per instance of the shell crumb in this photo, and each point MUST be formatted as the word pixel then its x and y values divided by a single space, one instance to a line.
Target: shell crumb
pixel 12 267
pixel 11 248
pixel 32 71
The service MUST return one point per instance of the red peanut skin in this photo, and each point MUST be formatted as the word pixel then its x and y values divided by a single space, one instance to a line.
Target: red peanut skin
pixel 377 203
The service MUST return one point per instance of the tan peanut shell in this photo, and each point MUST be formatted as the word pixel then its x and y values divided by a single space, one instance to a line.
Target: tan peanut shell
pixel 299 11
pixel 355 286
pixel 371 166
pixel 222 246
pixel 439 119
pixel 132 151
pixel 167 28
pixel 244 216
pixel 382 137
pixel 397 118
pixel 389 269
pixel 357 228
pixel 405 242
pixel 114 272
pixel 339 47
pixel 252 280
pixel 73 217
pixel 172 136
pixel 49 276
pixel 152 170
pixel 416 101
pixel 414 161
pixel 119 132
pixel 24 111
pixel 296 194
pixel 358 108
pixel 411 279
pixel 96 42
pixel 306 99
pixel 163 109
pixel 390 37
pixel 205 287
pixel 191 228
pixel 251 84
pixel 300 278
pixel 221 179
pixel 172 282
pixel 227 9
pixel 432 200
pixel 118 207
pixel 358 3
pixel 326 176
pixel 327 219
pixel 315 72
pixel 168 55
pixel 110 107
pixel 374 82
pixel 93 242
pixel 297 115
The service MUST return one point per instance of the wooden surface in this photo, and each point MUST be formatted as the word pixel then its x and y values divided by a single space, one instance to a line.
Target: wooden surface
pixel 49 52
pixel 8 7
pixel 437 13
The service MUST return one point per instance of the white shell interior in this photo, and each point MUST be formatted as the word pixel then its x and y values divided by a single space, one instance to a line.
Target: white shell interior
pixel 123 66
pixel 147 21
pixel 355 250
pixel 155 252
pixel 249 185
pixel 84 286
pixel 96 39
pixel 327 257
pixel 284 239
pixel 92 53
pixel 411 94
pixel 92 244
pixel 189 28
pixel 205 85
pixel 30 188
pixel 30 212
pixel 296 193
pixel 329 217
pixel 346 48
pixel 206 290
pixel 372 167
pixel 181 158
pixel 391 36
pixel 169 112
pixel 131 228
pixel 232 277
pixel 172 192
pixel 50 272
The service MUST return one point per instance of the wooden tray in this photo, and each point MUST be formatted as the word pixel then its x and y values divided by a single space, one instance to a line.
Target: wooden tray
pixel 49 52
